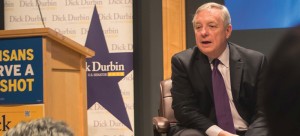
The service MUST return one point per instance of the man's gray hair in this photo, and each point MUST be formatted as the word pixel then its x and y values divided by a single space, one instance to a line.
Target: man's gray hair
pixel 211 5
pixel 40 127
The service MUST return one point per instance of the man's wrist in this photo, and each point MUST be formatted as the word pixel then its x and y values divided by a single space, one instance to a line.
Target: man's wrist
pixel 225 133
pixel 214 130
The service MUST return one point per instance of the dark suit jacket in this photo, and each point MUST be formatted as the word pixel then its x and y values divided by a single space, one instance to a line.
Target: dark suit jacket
pixel 192 88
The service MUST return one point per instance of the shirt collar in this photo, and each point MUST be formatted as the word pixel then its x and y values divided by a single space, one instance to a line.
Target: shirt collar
pixel 224 57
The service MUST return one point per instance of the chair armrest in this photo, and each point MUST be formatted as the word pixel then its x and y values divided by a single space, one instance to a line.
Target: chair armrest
pixel 161 124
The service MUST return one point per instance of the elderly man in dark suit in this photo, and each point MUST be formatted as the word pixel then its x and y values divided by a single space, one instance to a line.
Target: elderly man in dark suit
pixel 216 84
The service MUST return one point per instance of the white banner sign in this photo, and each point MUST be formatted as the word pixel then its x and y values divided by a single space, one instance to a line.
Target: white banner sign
pixel 110 102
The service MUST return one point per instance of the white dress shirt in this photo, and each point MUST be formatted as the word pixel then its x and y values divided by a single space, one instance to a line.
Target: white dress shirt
pixel 224 68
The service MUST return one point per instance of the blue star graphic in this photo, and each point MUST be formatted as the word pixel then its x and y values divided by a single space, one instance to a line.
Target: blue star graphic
pixel 105 89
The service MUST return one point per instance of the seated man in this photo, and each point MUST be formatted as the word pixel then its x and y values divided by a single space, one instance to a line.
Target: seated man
pixel 216 84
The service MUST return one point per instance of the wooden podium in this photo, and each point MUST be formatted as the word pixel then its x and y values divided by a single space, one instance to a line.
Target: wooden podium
pixel 44 68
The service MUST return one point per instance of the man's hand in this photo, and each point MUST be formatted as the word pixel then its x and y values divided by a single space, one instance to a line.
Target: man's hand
pixel 225 133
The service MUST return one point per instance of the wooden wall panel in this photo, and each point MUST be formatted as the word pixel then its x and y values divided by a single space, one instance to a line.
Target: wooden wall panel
pixel 174 32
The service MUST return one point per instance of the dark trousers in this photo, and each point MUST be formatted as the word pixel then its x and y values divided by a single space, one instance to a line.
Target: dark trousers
pixel 189 132
pixel 194 132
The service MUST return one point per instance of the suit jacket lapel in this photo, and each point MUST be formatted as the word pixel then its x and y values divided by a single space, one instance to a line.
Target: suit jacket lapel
pixel 236 71
pixel 202 64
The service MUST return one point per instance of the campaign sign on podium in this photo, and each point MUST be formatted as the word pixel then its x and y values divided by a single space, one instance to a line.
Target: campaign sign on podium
pixel 21 71
pixel 13 114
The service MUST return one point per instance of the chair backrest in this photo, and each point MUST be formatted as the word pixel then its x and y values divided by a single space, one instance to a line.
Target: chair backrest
pixel 166 101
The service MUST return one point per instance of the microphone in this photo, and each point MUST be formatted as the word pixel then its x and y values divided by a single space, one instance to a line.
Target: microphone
pixel 38 4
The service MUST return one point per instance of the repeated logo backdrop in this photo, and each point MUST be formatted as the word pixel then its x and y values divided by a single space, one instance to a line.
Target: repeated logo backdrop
pixel 72 18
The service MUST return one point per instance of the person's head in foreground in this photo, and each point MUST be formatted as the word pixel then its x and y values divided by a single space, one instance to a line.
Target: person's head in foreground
pixel 282 92
pixel 40 127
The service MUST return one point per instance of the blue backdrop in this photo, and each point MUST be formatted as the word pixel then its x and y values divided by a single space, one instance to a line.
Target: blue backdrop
pixel 257 14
